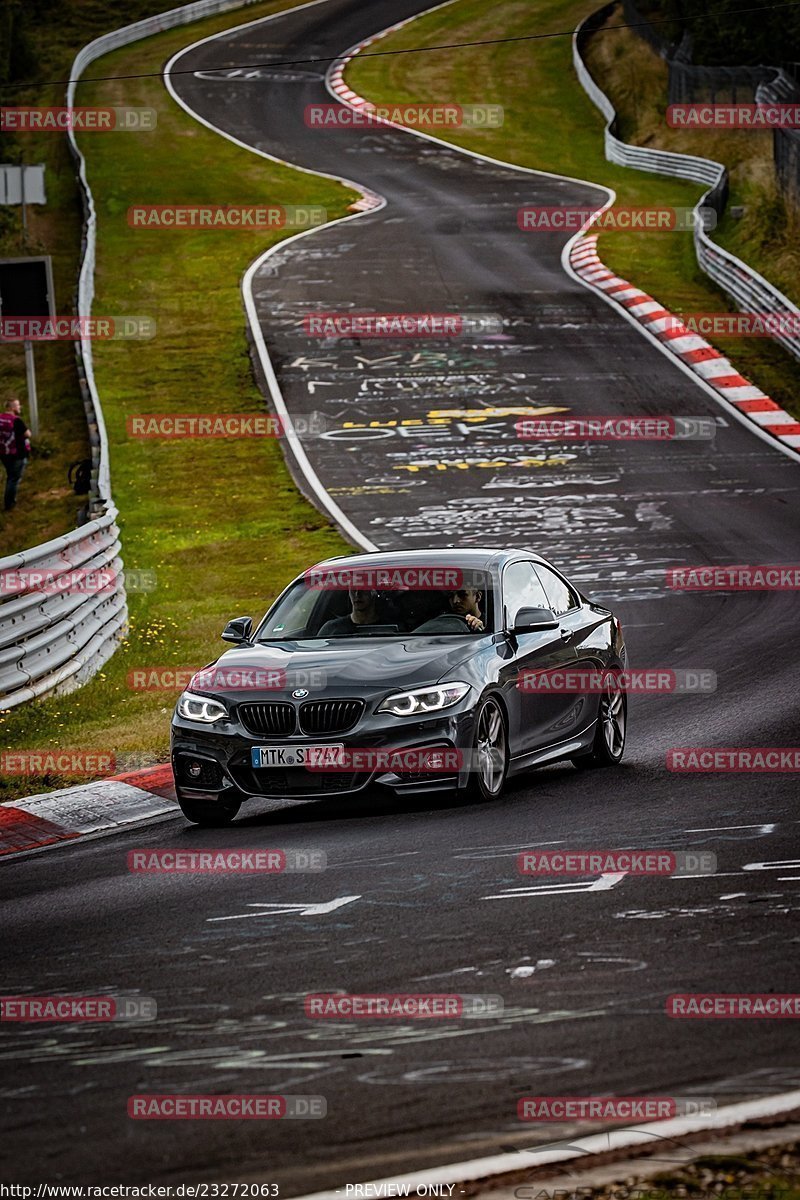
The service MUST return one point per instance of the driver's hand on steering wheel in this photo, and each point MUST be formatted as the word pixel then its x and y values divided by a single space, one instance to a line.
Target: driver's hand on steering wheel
pixel 475 623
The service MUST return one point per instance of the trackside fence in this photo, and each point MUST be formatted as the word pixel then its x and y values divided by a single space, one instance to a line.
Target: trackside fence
pixel 750 291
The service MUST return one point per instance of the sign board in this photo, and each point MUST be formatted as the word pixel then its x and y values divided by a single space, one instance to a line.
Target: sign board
pixel 12 179
pixel 26 290
pixel 26 287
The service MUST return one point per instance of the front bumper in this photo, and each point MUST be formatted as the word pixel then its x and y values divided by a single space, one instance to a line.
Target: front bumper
pixel 211 762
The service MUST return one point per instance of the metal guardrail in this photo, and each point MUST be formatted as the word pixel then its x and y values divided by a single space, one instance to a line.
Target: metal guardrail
pixel 749 291
pixel 55 637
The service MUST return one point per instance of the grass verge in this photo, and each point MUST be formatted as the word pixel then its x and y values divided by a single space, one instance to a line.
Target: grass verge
pixel 550 124
pixel 40 51
pixel 219 521
pixel 771 1174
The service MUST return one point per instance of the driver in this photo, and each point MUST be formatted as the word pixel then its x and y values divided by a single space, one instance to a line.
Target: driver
pixel 363 611
pixel 462 602
pixel 466 603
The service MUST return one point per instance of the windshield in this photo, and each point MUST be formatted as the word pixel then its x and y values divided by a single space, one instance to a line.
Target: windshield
pixel 318 607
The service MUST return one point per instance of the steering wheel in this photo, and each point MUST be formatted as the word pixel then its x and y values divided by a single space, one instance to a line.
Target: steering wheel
pixel 462 621
pixel 448 622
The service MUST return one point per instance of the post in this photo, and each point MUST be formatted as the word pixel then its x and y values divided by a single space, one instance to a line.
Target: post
pixel 33 402
pixel 24 212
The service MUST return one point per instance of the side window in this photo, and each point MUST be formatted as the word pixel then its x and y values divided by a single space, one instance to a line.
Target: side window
pixel 522 589
pixel 560 597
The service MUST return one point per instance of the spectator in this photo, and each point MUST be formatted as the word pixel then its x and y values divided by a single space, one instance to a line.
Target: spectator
pixel 15 447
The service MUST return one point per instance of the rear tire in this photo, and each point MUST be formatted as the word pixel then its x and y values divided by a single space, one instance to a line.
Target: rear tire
pixel 210 814
pixel 610 730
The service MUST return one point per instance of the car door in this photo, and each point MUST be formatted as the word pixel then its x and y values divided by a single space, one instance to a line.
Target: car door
pixel 580 626
pixel 536 714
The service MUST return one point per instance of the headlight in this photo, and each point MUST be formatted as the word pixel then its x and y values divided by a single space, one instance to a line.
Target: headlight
pixel 424 700
pixel 200 708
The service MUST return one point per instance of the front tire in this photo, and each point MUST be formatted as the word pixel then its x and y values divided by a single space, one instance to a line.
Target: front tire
pixel 489 765
pixel 210 814
pixel 610 729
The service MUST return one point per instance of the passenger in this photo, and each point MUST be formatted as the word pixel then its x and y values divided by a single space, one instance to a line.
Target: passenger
pixel 363 611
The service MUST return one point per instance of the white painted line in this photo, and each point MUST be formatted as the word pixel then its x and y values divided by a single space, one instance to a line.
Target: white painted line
pixel 276 909
pixel 603 884
pixel 597 1143
pixel 725 828
pixel 326 501
pixel 777 865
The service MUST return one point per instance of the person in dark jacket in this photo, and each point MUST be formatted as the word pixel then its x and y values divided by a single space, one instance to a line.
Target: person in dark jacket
pixel 363 611
pixel 15 447
pixel 464 603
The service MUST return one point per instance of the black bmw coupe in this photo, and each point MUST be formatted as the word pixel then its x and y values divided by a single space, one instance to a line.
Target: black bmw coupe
pixel 416 671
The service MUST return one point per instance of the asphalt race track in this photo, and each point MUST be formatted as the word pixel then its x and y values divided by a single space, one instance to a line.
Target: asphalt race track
pixel 429 887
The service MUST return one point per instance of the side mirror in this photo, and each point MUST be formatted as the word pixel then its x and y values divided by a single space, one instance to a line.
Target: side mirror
pixel 238 630
pixel 530 620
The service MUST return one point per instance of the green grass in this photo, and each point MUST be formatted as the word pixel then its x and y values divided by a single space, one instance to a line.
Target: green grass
pixel 220 522
pixel 551 124
pixel 47 505
pixel 769 1174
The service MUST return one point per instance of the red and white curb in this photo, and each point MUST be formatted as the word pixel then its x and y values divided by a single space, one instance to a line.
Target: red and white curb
pixel 337 84
pixel 102 807
pixel 335 77
pixel 693 351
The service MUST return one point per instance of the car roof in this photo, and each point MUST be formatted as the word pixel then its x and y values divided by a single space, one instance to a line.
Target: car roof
pixel 475 557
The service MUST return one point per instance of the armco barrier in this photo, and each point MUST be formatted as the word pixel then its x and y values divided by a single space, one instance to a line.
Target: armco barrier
pixel 55 641
pixel 58 639
pixel 749 290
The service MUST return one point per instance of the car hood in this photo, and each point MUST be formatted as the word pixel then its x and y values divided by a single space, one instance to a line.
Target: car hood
pixel 348 666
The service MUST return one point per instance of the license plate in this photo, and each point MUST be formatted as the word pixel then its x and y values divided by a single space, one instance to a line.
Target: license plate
pixel 296 756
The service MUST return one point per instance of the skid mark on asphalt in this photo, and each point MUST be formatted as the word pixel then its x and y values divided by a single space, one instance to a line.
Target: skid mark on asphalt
pixel 759 1082
pixel 370 1039
pixel 776 905
pixel 502 851
pixel 472 1070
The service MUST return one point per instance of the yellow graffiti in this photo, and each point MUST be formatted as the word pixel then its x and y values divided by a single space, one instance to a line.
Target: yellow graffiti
pixel 479 414
pixel 389 424
pixel 358 491
pixel 446 416
pixel 494 463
